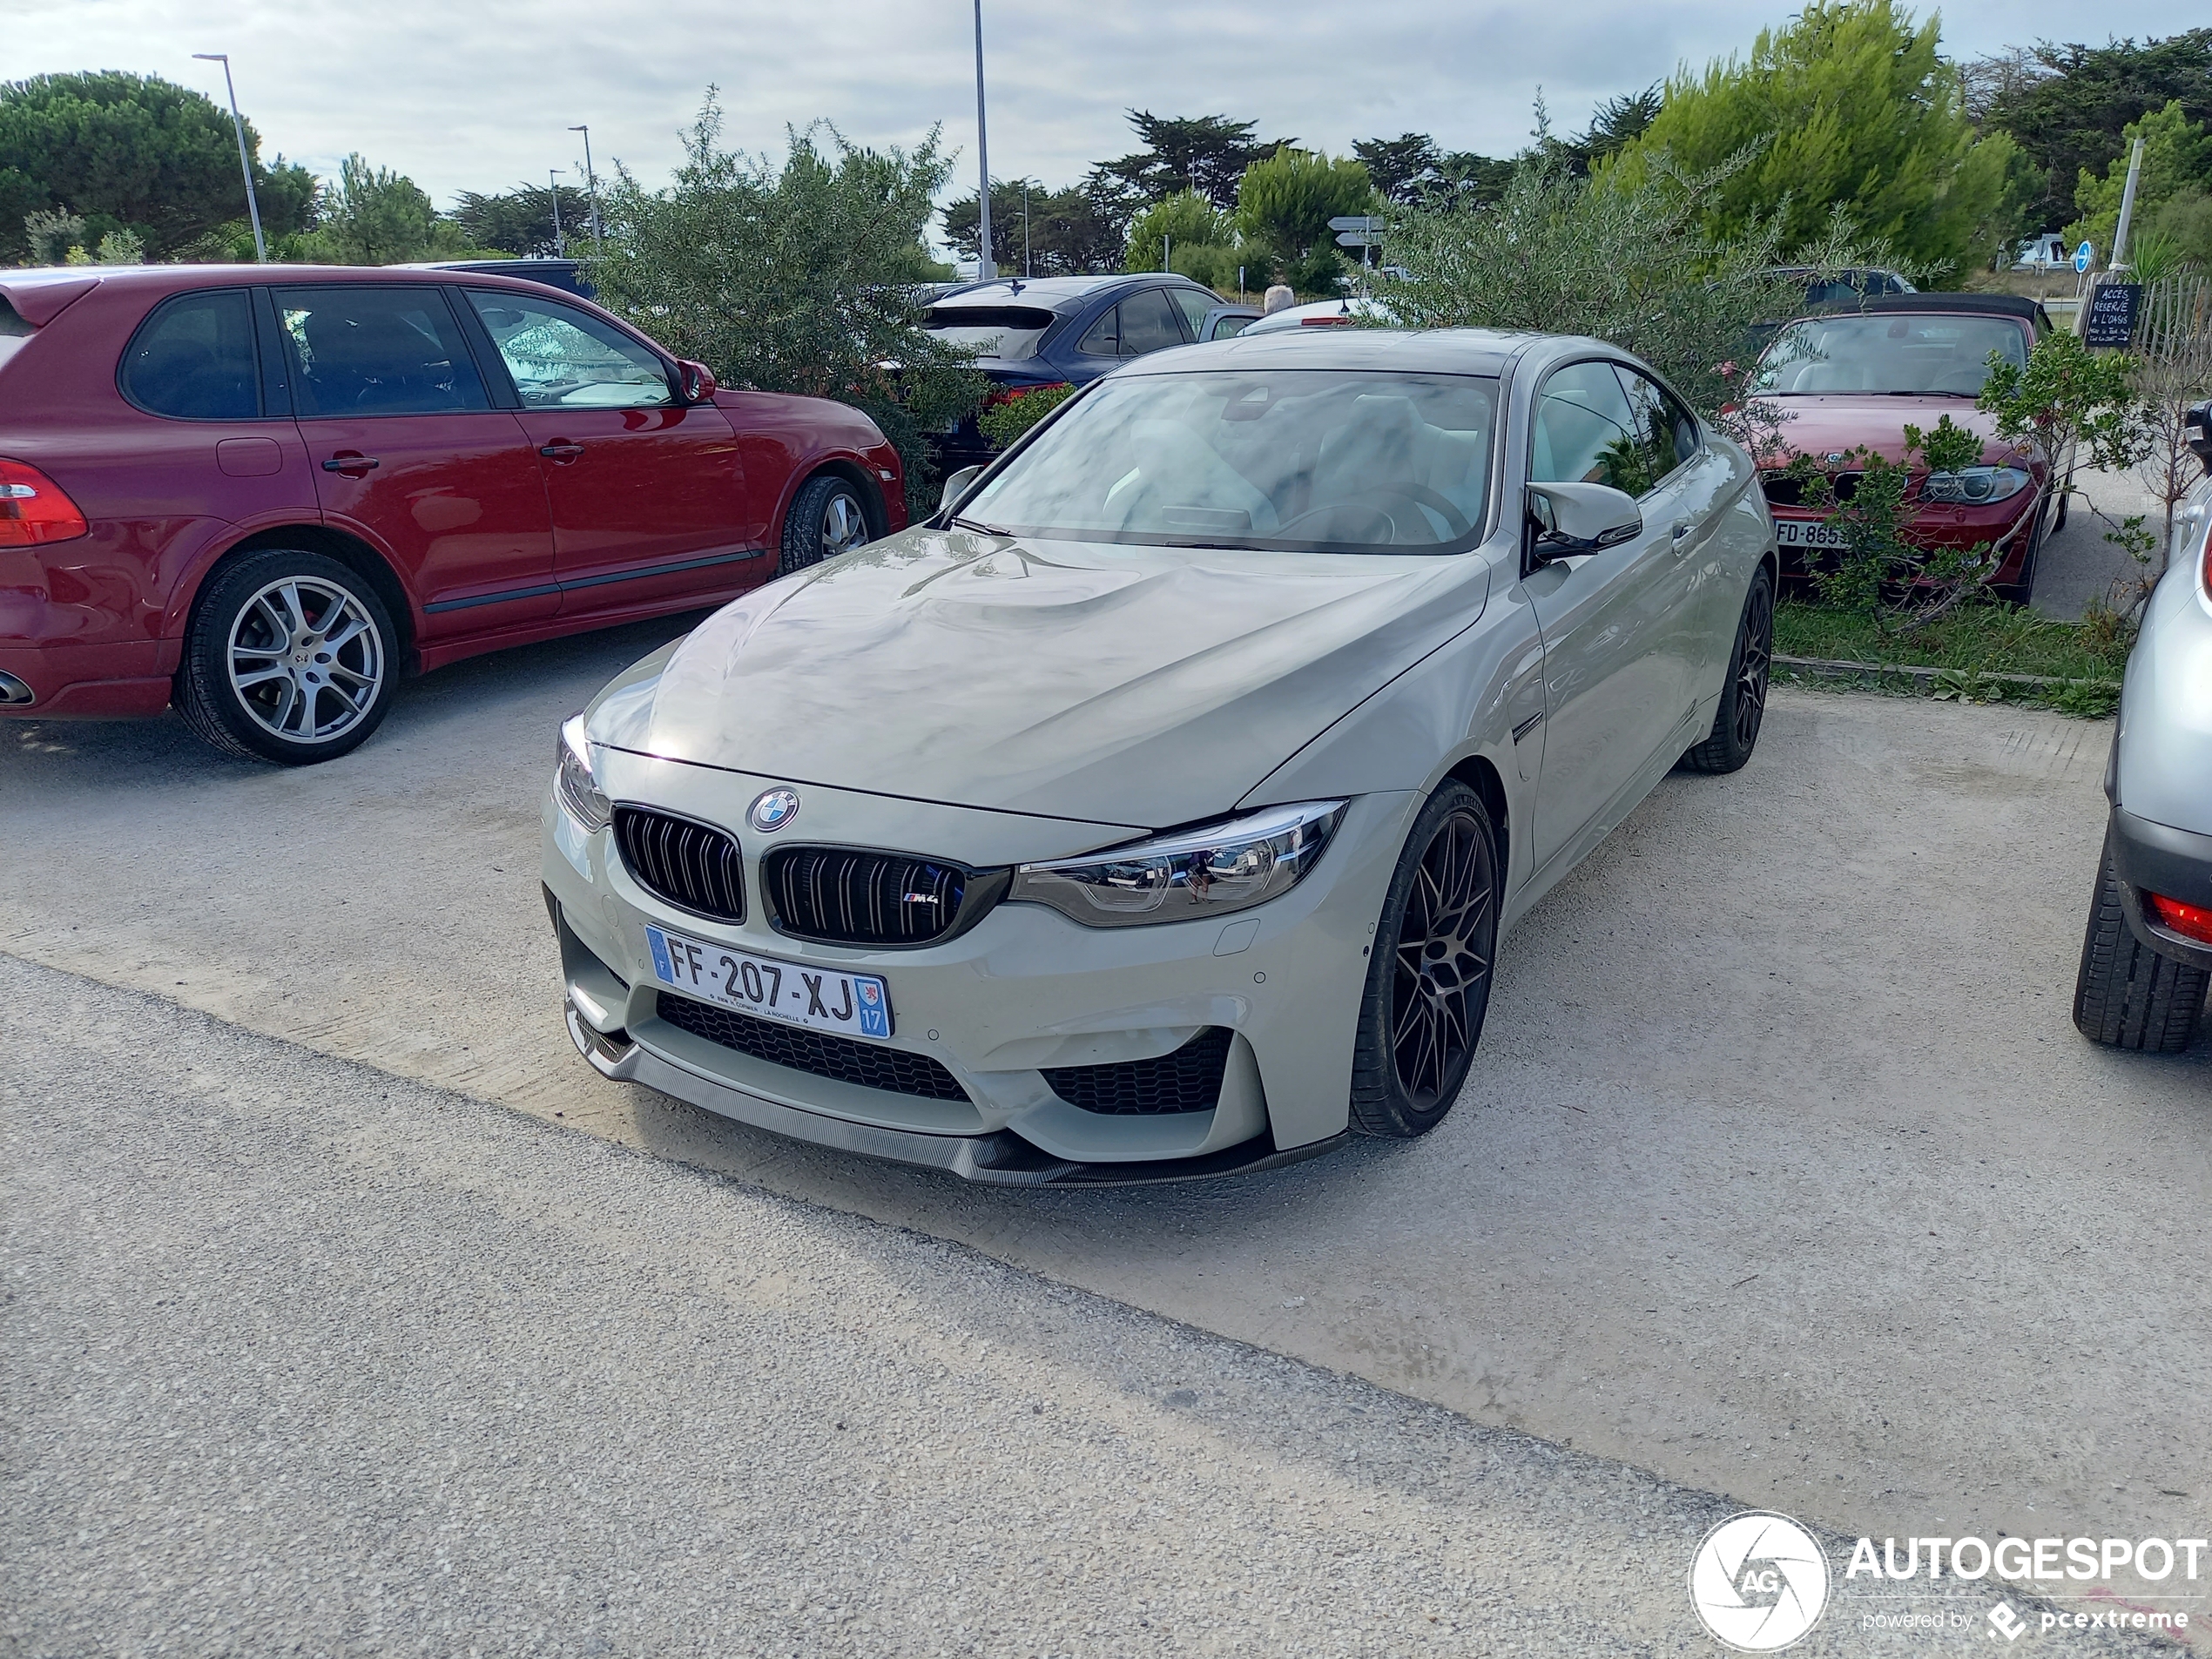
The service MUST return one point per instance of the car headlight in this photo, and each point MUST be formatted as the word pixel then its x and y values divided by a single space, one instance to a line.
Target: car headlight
pixel 1189 874
pixel 1975 486
pixel 573 784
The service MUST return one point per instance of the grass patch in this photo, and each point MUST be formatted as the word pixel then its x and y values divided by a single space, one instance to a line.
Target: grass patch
pixel 1970 645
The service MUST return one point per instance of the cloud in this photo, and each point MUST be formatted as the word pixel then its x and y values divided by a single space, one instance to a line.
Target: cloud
pixel 476 95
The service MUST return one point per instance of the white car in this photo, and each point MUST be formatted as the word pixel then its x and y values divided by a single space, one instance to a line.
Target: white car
pixel 1325 313
pixel 1157 808
pixel 2147 956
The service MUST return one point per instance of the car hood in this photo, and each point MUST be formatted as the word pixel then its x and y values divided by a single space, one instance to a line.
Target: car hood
pixel 1122 685
pixel 1827 423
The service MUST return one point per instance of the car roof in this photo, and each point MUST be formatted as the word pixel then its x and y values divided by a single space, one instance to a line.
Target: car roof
pixel 1051 292
pixel 1441 351
pixel 40 293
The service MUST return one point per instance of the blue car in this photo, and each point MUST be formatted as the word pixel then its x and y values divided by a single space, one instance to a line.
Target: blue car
pixel 1066 331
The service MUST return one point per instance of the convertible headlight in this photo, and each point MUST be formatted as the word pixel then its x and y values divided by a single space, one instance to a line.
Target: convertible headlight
pixel 577 789
pixel 1189 874
pixel 1975 486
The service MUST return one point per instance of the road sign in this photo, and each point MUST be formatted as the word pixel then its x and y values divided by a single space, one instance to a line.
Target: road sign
pixel 1358 239
pixel 2112 309
pixel 1355 222
pixel 2083 256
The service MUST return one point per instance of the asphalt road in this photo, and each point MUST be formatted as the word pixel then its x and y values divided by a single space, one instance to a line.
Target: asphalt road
pixel 301 1357
pixel 1781 1172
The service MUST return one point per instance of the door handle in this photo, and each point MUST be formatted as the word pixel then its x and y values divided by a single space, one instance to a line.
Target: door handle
pixel 1686 534
pixel 561 451
pixel 351 463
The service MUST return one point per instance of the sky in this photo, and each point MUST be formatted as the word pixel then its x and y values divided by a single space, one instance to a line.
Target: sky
pixel 476 94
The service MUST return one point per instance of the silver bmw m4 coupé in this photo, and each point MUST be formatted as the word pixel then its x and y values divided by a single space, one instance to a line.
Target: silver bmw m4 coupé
pixel 1158 809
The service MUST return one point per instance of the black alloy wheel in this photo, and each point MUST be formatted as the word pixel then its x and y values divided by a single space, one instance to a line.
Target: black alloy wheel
pixel 1743 710
pixel 1429 974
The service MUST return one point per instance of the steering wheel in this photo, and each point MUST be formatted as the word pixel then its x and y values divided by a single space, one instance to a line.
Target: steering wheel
pixel 1456 522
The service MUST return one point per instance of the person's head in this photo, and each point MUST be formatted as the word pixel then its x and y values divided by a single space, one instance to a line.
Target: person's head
pixel 1278 298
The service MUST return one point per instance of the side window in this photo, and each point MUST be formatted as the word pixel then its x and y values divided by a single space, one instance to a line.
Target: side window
pixel 565 358
pixel 1148 323
pixel 1103 338
pixel 377 350
pixel 1229 328
pixel 1194 307
pixel 1666 432
pixel 193 359
pixel 1584 431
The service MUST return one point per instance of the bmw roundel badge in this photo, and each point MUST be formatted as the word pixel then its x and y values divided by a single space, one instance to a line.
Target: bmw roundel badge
pixel 774 809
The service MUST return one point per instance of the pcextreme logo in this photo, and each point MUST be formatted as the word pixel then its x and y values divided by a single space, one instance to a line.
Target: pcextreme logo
pixel 1759 1582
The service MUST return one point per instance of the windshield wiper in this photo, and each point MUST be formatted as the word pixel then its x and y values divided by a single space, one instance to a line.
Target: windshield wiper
pixel 978 524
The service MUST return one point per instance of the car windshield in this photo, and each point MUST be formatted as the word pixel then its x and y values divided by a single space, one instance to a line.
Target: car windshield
pixel 1303 460
pixel 1897 352
pixel 995 331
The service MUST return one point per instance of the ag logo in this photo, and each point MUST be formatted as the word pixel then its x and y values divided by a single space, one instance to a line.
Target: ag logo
pixel 774 809
pixel 1758 1582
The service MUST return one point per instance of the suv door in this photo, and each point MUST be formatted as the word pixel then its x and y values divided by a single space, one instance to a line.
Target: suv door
pixel 649 494
pixel 411 455
pixel 1616 670
pixel 1144 322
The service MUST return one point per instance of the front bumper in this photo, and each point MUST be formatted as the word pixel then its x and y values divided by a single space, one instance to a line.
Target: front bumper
pixel 2006 526
pixel 1024 990
pixel 2155 858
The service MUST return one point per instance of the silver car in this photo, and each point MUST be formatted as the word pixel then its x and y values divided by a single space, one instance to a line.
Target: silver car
pixel 1156 810
pixel 2147 955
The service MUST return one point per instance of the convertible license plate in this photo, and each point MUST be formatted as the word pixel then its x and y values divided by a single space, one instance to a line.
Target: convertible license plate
pixel 852 1005
pixel 1799 532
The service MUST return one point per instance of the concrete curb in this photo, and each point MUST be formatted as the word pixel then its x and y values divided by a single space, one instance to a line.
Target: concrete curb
pixel 1829 668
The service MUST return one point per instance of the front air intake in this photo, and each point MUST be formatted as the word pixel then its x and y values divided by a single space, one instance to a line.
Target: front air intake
pixel 695 866
pixel 1187 1080
pixel 843 895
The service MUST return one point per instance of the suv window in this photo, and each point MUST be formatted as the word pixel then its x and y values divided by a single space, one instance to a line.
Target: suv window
pixel 1148 323
pixel 378 350
pixel 1103 338
pixel 1195 307
pixel 565 358
pixel 193 359
pixel 1584 430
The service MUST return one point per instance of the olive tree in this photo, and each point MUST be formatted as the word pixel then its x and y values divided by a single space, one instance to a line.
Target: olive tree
pixel 1632 263
pixel 793 276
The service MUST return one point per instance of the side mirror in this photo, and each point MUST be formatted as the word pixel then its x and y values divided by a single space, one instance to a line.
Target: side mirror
pixel 2197 425
pixel 1571 519
pixel 956 486
pixel 697 380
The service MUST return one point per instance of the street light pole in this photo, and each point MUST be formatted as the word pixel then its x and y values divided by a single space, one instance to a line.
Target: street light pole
pixel 245 165
pixel 590 179
pixel 984 269
pixel 560 248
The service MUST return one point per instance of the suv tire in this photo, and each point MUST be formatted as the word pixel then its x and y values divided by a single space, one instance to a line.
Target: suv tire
pixel 289 656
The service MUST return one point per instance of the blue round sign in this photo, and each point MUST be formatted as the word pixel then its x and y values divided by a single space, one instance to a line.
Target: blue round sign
pixel 2083 256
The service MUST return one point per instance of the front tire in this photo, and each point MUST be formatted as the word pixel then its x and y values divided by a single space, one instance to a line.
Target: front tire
pixel 2126 995
pixel 1428 971
pixel 290 656
pixel 827 517
pixel 1743 710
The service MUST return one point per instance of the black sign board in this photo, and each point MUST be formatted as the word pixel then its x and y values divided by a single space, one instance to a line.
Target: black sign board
pixel 2111 314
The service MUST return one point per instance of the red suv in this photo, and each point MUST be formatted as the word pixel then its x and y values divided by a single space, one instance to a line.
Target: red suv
pixel 268 493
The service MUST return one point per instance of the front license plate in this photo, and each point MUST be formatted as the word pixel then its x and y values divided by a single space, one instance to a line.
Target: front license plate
pixel 1797 532
pixel 852 1005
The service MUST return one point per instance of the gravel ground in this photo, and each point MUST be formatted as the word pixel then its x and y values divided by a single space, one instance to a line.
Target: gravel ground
pixel 303 1358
